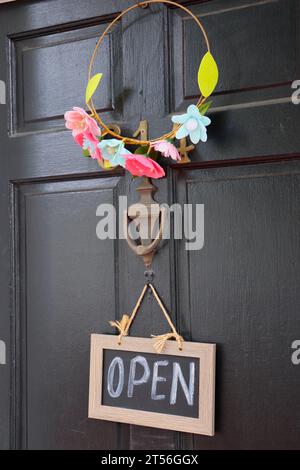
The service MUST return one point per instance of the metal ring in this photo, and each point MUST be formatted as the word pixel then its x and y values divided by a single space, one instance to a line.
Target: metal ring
pixel 91 106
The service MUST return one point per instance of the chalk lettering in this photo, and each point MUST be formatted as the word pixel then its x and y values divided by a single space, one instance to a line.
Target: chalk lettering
pixel 139 373
pixel 188 390
pixel 133 381
pixel 157 379
pixel 117 361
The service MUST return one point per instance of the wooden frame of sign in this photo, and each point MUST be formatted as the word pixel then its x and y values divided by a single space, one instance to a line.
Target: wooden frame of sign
pixel 196 358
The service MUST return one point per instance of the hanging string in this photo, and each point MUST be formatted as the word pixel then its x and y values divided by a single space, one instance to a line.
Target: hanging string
pixel 123 325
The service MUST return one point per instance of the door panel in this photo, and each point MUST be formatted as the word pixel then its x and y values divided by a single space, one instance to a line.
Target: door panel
pixel 59 283
pixel 62 282
pixel 59 57
pixel 256 46
pixel 243 294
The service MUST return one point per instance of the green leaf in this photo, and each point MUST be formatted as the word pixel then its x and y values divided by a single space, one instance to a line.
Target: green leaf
pixel 85 153
pixel 142 150
pixel 205 107
pixel 208 75
pixel 92 86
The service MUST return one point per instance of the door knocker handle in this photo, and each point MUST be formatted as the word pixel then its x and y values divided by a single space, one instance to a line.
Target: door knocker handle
pixel 146 251
pixel 146 215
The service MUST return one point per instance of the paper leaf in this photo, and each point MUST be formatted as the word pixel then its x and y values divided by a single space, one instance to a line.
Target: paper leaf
pixel 85 153
pixel 208 75
pixel 141 150
pixel 92 86
pixel 144 150
pixel 205 107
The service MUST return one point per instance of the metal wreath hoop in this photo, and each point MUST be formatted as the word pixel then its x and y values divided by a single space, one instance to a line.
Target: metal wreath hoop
pixel 129 140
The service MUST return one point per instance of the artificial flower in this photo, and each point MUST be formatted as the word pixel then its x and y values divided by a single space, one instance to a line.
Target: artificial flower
pixel 139 165
pixel 166 149
pixel 193 124
pixel 114 151
pixel 81 125
pixel 90 143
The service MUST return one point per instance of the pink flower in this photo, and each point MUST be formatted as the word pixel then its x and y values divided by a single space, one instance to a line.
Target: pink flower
pixel 139 165
pixel 81 125
pixel 167 149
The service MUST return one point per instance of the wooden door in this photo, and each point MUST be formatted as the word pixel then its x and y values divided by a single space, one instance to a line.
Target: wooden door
pixel 59 283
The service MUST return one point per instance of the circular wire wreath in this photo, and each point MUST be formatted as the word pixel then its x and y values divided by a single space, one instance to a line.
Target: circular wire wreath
pixel 111 153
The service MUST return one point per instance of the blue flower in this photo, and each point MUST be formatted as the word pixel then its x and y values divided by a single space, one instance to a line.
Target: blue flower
pixel 88 145
pixel 113 151
pixel 193 124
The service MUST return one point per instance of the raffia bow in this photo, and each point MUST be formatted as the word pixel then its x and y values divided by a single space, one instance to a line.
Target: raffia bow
pixel 124 324
pixel 160 341
pixel 121 327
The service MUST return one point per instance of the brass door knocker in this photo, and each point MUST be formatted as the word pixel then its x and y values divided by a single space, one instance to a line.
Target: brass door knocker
pixel 149 220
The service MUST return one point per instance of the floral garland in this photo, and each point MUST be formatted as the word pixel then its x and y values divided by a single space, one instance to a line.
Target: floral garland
pixel 112 152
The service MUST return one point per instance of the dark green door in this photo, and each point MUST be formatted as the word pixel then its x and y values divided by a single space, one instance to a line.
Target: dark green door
pixel 59 283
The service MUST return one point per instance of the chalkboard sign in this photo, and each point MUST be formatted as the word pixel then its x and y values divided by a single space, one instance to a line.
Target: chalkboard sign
pixel 130 383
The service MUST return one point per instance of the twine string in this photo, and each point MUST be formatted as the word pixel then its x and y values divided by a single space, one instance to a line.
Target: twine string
pixel 123 325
